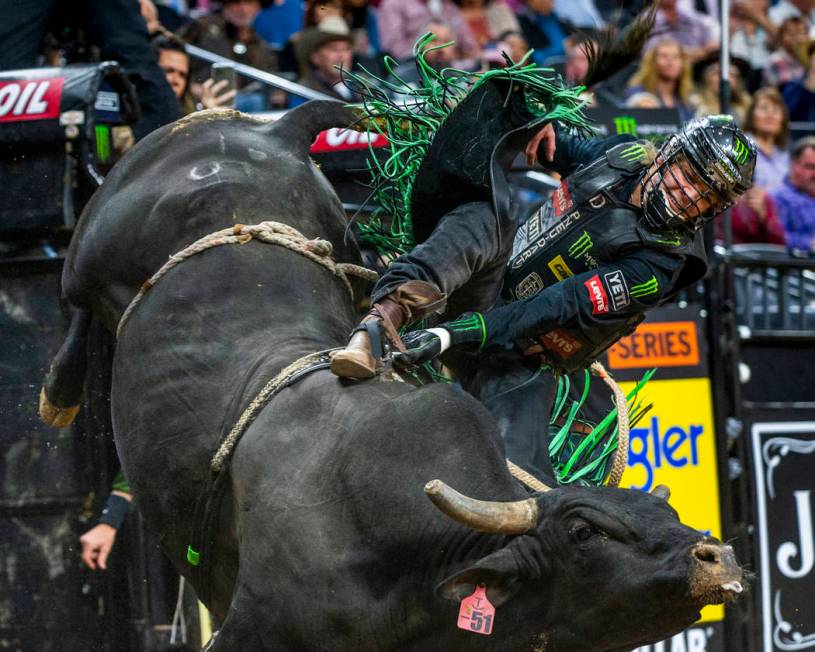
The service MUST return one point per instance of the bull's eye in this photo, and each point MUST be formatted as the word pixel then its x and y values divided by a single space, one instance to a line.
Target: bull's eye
pixel 582 532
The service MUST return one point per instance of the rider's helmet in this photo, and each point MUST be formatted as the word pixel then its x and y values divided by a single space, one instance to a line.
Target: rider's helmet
pixel 710 154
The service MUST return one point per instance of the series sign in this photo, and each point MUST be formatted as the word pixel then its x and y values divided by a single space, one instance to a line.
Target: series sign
pixel 675 444
pixel 784 458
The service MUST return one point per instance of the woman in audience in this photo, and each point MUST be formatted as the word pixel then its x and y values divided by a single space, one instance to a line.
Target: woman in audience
pixel 665 73
pixel 767 122
pixel 755 216
pixel 707 76
pixel 488 19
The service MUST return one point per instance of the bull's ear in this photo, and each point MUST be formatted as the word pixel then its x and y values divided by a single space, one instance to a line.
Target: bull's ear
pixel 498 572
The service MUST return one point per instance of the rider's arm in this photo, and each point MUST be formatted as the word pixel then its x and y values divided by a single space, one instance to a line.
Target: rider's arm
pixel 586 299
pixel 572 151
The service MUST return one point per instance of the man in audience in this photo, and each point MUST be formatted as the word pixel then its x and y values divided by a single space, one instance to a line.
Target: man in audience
pixel 795 198
pixel 544 30
pixel 689 28
pixel 784 64
pixel 321 50
pixel 229 34
pixel 799 95
pixel 801 8
pixel 401 22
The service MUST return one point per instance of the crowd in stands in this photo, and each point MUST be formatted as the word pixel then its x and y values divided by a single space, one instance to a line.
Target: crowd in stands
pixel 772 66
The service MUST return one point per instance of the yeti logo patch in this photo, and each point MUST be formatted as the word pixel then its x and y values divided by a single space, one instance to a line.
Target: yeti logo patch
pixel 617 290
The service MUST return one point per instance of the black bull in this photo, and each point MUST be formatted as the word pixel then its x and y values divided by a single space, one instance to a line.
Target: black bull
pixel 325 538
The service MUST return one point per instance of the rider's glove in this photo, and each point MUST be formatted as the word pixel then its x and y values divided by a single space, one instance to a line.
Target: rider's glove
pixel 424 345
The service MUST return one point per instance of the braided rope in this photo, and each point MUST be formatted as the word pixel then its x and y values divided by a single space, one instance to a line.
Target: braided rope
pixel 276 233
pixel 249 414
pixel 621 454
pixel 527 478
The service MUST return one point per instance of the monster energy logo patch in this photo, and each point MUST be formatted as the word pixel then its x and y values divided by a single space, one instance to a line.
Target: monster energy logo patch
pixel 472 322
pixel 649 287
pixel 625 124
pixel 581 246
pixel 634 152
pixel 741 151
pixel 671 242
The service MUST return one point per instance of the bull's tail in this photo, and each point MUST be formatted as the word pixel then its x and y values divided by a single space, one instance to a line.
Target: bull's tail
pixel 302 124
pixel 615 49
pixel 62 389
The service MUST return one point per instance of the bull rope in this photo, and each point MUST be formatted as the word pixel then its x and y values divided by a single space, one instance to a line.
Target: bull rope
pixel 277 233
pixel 623 424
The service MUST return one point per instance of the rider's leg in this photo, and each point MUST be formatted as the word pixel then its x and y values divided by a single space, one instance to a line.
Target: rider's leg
pixel 464 244
pixel 519 393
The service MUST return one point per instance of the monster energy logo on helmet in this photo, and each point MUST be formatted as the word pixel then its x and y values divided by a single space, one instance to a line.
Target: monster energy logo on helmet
pixel 741 151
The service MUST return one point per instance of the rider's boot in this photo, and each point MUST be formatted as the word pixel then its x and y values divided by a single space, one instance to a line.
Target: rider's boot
pixel 409 302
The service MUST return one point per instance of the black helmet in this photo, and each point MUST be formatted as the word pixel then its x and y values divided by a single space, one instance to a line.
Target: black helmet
pixel 710 154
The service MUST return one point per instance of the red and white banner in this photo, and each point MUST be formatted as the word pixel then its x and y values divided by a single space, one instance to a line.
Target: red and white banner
pixel 338 139
pixel 35 99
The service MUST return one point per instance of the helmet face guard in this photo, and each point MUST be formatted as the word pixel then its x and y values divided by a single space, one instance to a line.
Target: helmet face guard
pixel 698 173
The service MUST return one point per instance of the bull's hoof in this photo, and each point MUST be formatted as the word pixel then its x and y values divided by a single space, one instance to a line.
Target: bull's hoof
pixel 55 416
pixel 353 364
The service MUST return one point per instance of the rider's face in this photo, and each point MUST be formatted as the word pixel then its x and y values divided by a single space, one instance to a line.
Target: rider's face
pixel 684 192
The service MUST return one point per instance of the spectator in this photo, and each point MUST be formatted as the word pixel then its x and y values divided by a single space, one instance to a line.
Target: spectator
pixel 643 100
pixel 318 10
pixel 322 51
pixel 754 218
pixel 707 76
pixel 362 20
pixel 175 62
pixel 784 64
pixel 768 123
pixel 150 14
pixel 488 19
pixel 543 30
pixel 514 44
pixel 665 73
pixel 795 198
pixel 402 22
pixel 799 8
pixel 230 35
pixel 799 95
pixel 688 28
pixel 582 14
pixel 750 34
pixel 278 22
pixel 576 68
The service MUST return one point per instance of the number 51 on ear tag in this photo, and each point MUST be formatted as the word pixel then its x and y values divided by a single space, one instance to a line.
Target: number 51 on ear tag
pixel 476 613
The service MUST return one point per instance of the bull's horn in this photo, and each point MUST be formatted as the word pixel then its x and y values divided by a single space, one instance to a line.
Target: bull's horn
pixel 661 491
pixel 513 517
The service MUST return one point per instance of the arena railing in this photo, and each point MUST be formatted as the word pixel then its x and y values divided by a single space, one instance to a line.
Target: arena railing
pixel 267 78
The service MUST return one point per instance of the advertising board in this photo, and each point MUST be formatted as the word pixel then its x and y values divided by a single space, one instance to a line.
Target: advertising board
pixel 784 458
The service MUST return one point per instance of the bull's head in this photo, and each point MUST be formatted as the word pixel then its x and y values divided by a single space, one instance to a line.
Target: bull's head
pixel 610 568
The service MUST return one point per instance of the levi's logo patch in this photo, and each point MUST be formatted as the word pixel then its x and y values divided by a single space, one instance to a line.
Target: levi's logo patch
pixel 562 199
pixel 560 342
pixel 617 290
pixel 597 295
pixel 36 99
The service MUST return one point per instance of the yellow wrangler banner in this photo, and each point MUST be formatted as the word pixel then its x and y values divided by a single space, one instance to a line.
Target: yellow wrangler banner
pixel 674 444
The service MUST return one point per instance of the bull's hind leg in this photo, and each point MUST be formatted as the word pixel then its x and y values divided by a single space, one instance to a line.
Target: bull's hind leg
pixel 62 389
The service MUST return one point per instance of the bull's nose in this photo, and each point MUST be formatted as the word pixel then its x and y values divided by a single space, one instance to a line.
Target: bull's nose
pixel 714 553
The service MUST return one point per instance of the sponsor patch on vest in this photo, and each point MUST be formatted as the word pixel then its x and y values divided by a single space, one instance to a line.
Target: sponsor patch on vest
pixel 562 200
pixel 617 290
pixel 529 287
pixel 561 343
pixel 559 268
pixel 551 234
pixel 597 295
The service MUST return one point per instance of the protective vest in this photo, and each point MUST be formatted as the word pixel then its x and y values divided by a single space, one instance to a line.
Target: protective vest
pixel 583 226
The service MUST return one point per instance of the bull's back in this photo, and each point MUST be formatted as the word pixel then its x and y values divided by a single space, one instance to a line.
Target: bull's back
pixel 186 180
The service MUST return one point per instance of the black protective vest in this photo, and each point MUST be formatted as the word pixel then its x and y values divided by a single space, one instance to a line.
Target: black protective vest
pixel 583 226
